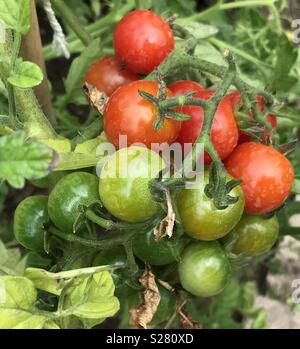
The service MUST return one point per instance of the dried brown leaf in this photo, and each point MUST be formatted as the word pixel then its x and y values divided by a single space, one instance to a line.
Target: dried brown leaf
pixel 97 99
pixel 142 315
pixel 166 226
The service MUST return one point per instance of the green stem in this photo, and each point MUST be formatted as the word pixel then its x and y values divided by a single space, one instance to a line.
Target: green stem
pixel 101 244
pixel 91 131
pixel 67 14
pixel 223 45
pixel 229 6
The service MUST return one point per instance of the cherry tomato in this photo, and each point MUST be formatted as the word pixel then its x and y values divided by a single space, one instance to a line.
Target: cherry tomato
pixel 161 252
pixel 166 306
pixel 199 216
pixel 183 86
pixel 115 255
pixel 127 113
pixel 73 190
pixel 237 103
pixel 30 217
pixel 267 176
pixel 142 39
pixel 107 74
pixel 255 235
pixel 123 184
pixel 224 133
pixel 204 269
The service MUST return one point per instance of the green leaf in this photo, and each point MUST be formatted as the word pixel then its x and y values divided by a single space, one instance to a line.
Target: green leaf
pixel 199 30
pixel 17 295
pixel 3 253
pixel 79 66
pixel 55 282
pixel 286 56
pixel 16 15
pixel 26 75
pixel 22 159
pixel 93 299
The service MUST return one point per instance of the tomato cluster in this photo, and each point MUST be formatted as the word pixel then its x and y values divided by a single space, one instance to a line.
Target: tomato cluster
pixel 142 40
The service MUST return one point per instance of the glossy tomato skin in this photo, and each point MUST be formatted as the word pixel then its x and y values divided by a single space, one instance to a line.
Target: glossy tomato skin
pixel 123 184
pixel 107 74
pixel 267 176
pixel 204 269
pixel 224 133
pixel 255 235
pixel 183 86
pixel 199 216
pixel 156 253
pixel 166 306
pixel 142 40
pixel 30 217
pixel 115 255
pixel 73 190
pixel 235 98
pixel 127 113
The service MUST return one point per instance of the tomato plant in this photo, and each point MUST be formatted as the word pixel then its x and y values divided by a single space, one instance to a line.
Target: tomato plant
pixel 204 269
pixel 267 176
pixel 30 219
pixel 123 185
pixel 200 217
pixel 107 74
pixel 142 39
pixel 129 114
pixel 72 191
pixel 255 235
pixel 96 221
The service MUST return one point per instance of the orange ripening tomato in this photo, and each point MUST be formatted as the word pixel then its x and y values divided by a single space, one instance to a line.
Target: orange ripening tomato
pixel 267 176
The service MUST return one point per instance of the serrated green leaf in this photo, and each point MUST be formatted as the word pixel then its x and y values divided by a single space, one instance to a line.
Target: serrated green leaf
pixel 16 14
pixel 22 159
pixel 79 66
pixel 26 75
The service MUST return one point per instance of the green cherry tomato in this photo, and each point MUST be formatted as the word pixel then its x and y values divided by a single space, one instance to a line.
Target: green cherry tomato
pixel 204 268
pixel 123 184
pixel 255 235
pixel 115 255
pixel 199 216
pixel 73 190
pixel 30 217
pixel 166 306
pixel 162 252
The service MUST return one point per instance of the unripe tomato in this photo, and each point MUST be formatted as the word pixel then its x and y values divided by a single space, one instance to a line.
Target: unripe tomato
pixel 166 306
pixel 142 40
pixel 255 235
pixel 267 176
pixel 73 190
pixel 156 252
pixel 115 255
pixel 237 103
pixel 127 113
pixel 200 217
pixel 107 74
pixel 30 217
pixel 204 269
pixel 224 132
pixel 123 184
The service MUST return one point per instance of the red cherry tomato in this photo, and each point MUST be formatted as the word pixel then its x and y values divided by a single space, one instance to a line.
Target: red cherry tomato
pixel 183 86
pixel 235 98
pixel 224 134
pixel 107 74
pixel 127 113
pixel 267 176
pixel 142 39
